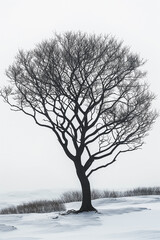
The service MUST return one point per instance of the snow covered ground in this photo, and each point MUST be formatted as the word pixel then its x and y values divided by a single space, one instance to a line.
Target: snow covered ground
pixel 122 218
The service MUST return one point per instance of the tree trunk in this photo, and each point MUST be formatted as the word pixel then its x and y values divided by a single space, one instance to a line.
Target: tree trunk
pixel 86 192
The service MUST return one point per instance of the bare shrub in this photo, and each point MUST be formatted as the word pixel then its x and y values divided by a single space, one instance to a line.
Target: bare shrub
pixel 143 191
pixel 76 196
pixel 41 206
pixel 111 194
pixel 71 196
pixel 9 210
pixel 95 194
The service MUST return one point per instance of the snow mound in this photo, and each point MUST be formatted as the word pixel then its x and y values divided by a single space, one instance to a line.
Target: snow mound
pixel 6 228
pixel 111 212
pixel 141 234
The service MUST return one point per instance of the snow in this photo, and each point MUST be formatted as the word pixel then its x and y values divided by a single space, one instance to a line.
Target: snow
pixel 122 218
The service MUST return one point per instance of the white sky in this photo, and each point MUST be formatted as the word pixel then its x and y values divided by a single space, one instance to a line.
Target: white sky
pixel 30 156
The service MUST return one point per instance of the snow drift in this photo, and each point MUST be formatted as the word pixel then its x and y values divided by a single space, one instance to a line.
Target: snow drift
pixel 117 218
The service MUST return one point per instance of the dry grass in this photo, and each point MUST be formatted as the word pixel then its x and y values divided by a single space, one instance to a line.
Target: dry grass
pixel 42 206
pixel 76 196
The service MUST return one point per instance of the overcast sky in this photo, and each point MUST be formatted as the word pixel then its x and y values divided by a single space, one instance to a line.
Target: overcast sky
pixel 30 156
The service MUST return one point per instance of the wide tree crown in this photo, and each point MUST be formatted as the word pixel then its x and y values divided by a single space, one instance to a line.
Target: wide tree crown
pixel 89 90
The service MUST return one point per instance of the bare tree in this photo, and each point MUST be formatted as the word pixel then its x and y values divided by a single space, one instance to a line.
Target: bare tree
pixel 89 91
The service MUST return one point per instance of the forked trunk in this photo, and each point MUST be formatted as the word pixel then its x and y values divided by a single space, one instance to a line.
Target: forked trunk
pixel 86 192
